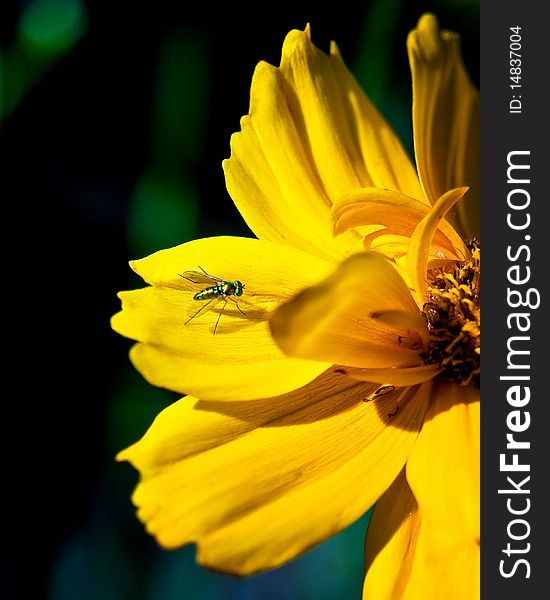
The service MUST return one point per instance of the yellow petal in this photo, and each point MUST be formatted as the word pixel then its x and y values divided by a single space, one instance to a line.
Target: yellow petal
pixel 256 483
pixel 287 208
pixel 311 136
pixel 394 377
pixel 350 142
pixel 240 360
pixel 390 245
pixel 426 546
pixel 343 319
pixel 421 240
pixel 390 544
pixel 364 206
pixel 398 213
pixel 444 477
pixel 445 120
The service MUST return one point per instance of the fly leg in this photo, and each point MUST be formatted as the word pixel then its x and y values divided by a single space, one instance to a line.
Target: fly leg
pixel 201 309
pixel 224 298
pixel 231 298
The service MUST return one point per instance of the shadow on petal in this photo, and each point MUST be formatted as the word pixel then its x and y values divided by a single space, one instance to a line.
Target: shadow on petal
pixel 328 394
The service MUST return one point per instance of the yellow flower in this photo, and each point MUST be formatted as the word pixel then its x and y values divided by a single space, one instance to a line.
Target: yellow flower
pixel 325 387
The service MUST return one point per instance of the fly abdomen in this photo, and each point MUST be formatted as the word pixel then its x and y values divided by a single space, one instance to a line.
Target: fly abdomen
pixel 215 291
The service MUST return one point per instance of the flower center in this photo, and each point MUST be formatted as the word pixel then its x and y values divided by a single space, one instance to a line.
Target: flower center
pixel 452 314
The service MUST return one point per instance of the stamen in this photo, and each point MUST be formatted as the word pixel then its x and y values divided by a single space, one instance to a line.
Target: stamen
pixel 453 317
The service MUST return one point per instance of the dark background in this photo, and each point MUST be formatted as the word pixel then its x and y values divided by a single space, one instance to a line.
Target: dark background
pixel 111 147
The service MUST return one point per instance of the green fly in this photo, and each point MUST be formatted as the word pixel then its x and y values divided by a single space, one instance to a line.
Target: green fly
pixel 221 290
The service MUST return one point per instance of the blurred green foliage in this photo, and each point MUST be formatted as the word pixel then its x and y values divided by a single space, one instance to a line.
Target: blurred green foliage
pixel 165 207
pixel 48 30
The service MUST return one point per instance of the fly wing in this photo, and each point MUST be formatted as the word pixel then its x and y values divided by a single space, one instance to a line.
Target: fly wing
pixel 201 277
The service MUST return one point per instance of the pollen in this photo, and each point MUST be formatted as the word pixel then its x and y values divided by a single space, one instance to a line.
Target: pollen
pixel 453 317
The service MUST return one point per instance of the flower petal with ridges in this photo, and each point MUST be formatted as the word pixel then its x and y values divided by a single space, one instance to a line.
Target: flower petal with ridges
pixel 423 538
pixel 393 376
pixel 445 120
pixel 241 357
pixel 256 483
pixel 311 135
